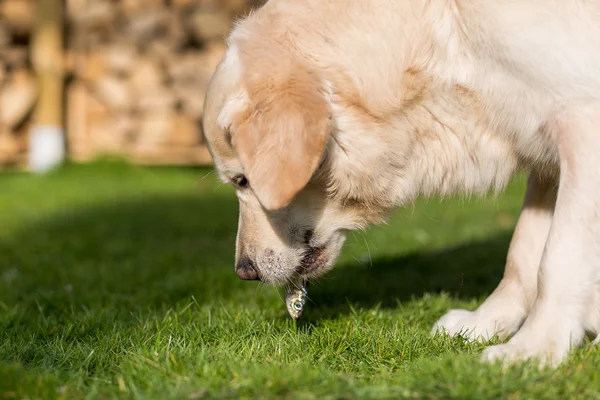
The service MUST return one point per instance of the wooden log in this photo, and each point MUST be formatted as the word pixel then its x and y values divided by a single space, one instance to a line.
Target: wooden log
pixel 191 99
pixel 191 74
pixel 185 132
pixel 125 125
pixel 114 92
pixel 77 97
pixel 148 76
pixel 183 4
pixel 176 33
pixel 154 130
pixel 5 36
pixel 18 15
pixel 163 51
pixel 107 137
pixel 131 7
pixel 2 74
pixel 114 133
pixel 159 99
pixel 75 8
pixel 97 111
pixel 236 7
pixel 9 146
pixel 17 98
pixel 148 23
pixel 141 76
pixel 196 66
pixel 14 56
pixel 97 114
pixel 209 24
pixel 121 57
pixel 185 67
pixel 95 14
pixel 209 4
pixel 90 66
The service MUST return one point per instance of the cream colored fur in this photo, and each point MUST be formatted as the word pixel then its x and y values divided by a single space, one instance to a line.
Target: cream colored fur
pixel 339 111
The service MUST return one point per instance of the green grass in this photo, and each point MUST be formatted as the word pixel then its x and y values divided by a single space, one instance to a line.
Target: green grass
pixel 118 282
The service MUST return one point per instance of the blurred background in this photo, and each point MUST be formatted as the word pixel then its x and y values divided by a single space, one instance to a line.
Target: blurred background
pixel 80 79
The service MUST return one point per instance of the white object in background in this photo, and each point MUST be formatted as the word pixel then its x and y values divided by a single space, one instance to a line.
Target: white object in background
pixel 46 147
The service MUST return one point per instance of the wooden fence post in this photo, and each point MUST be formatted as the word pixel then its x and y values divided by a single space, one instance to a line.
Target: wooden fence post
pixel 47 138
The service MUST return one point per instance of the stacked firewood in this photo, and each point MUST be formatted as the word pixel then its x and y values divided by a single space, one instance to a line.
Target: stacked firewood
pixel 139 74
pixel 18 89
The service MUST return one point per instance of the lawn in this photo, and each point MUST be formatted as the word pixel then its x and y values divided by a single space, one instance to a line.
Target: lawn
pixel 117 282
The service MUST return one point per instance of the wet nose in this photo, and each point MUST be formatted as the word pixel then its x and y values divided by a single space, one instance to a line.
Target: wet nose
pixel 246 270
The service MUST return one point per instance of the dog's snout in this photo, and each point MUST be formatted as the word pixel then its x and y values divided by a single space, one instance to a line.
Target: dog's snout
pixel 246 270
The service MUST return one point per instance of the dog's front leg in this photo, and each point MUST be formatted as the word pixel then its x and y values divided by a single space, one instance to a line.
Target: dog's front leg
pixel 502 313
pixel 568 274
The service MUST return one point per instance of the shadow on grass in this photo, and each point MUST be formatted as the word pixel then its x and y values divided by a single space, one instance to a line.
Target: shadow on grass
pixel 151 253
pixel 145 251
pixel 470 271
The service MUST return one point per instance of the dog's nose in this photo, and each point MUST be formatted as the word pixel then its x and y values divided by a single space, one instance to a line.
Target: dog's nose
pixel 246 270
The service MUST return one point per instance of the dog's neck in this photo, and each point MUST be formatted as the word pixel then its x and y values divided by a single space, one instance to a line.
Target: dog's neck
pixel 440 145
pixel 454 148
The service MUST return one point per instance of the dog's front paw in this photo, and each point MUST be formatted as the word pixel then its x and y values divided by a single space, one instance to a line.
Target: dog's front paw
pixel 545 353
pixel 469 324
pixel 453 322
pixel 547 345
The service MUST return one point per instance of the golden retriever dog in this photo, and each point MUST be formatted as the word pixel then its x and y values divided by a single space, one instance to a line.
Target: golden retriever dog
pixel 325 115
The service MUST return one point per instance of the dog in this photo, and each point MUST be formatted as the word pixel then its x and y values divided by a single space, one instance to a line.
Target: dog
pixel 326 115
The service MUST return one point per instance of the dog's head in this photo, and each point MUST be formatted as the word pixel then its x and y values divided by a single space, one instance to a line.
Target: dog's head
pixel 268 135
pixel 271 129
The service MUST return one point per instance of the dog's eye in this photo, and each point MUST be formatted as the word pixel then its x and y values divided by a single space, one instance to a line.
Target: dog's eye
pixel 240 181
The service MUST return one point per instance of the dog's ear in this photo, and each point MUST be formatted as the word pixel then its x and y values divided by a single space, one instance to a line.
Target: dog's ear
pixel 281 140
